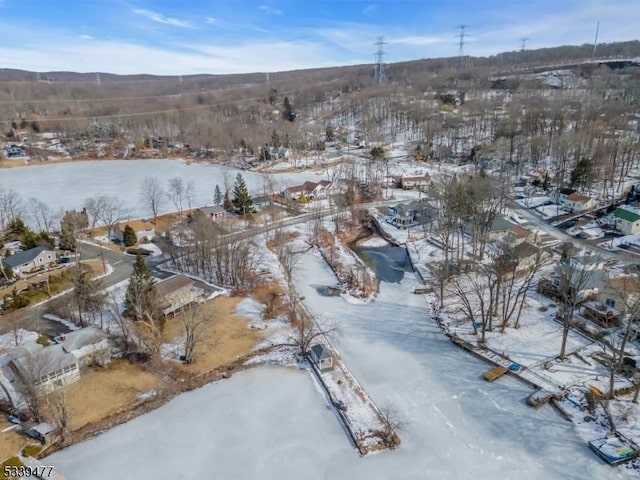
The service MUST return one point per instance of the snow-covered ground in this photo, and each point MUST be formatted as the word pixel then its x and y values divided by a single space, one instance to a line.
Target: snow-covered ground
pixel 273 424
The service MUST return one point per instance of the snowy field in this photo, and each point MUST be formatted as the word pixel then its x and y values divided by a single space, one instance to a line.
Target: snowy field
pixel 274 423
pixel 67 185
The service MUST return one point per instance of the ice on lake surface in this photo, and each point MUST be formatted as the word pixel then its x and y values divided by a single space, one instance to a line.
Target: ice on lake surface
pixel 67 185
pixel 273 423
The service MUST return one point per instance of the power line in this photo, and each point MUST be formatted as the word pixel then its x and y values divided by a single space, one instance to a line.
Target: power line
pixel 380 76
pixel 461 58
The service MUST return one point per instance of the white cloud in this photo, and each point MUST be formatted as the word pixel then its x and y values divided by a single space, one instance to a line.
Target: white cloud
pixel 269 10
pixel 211 20
pixel 370 10
pixel 159 18
pixel 85 36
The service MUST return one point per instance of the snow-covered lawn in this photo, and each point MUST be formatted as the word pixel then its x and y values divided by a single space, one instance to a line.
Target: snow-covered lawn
pixel 533 202
pixel 550 211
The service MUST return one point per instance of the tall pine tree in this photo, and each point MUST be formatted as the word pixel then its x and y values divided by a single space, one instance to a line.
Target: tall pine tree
pixel 140 297
pixel 241 198
pixel 217 196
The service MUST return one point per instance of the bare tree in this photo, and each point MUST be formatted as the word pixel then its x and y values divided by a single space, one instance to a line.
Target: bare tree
pixel 41 215
pixel 177 193
pixel 59 410
pixel 574 276
pixel 11 207
pixel 105 209
pixel 194 322
pixel 152 195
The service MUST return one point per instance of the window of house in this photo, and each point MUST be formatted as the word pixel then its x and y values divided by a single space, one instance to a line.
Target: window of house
pixel 610 303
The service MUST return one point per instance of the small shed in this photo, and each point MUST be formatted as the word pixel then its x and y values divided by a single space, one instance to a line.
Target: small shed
pixel 322 357
pixel 43 432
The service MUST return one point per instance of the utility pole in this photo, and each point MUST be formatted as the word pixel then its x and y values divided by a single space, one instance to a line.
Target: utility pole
pixel 380 76
pixel 595 42
pixel 523 44
pixel 97 78
pixel 462 64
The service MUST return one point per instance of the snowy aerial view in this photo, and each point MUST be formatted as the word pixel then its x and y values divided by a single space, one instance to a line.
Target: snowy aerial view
pixel 320 240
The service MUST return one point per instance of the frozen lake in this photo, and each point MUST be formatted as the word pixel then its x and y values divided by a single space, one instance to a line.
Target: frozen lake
pixel 272 423
pixel 67 185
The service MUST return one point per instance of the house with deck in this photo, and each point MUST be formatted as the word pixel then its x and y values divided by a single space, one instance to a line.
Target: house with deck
pixel 177 293
pixel 30 261
pixel 45 368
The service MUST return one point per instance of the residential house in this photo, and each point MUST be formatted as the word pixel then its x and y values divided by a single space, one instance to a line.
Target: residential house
pixel 46 368
pixel 585 274
pixel 310 190
pixel 414 181
pixel 29 261
pixel 260 203
pixel 528 254
pixel 405 215
pixel 626 220
pixel 176 293
pixel 576 202
pixel 612 300
pixel 500 229
pixel 43 432
pixel 537 175
pixel 145 231
pixel 321 357
pixel 90 346
pixel 518 234
pixel 562 194
pixel 214 213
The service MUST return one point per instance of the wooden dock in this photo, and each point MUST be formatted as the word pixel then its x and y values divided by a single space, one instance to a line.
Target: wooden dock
pixel 494 373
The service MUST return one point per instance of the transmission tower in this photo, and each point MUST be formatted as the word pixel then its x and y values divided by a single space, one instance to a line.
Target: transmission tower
pixel 523 44
pixel 461 58
pixel 380 75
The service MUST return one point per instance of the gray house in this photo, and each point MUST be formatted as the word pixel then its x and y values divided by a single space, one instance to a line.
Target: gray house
pixel 89 345
pixel 46 368
pixel 38 258
pixel 322 357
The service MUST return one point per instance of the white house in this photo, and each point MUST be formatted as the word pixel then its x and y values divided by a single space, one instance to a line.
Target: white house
pixel 562 194
pixel 213 213
pixel 576 202
pixel 144 231
pixel 176 293
pixel 310 190
pixel 90 346
pixel 46 368
pixel 38 258
pixel 625 220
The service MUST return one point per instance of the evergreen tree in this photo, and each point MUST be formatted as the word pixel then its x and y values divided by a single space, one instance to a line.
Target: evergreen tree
pixel 129 236
pixel 87 295
pixel 287 110
pixel 241 198
pixel 329 133
pixel 139 299
pixel 582 174
pixel 217 196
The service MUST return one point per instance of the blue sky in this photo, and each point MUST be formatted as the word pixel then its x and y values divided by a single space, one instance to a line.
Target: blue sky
pixel 227 36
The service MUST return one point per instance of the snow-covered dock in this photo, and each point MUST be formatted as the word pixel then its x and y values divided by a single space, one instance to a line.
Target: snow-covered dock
pixel 366 425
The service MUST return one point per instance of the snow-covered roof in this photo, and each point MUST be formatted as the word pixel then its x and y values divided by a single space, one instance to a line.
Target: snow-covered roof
pixel 82 338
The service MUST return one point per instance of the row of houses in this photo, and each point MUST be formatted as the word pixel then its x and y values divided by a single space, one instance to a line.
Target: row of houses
pixel 48 368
